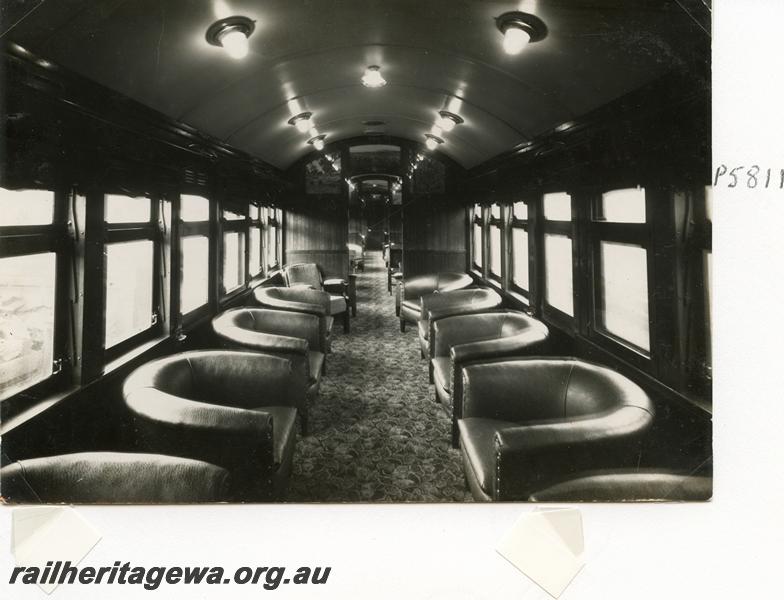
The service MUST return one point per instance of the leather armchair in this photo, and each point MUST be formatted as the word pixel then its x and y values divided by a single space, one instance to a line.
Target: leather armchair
pixel 113 478
pixel 629 486
pixel 527 423
pixel 290 335
pixel 233 409
pixel 411 290
pixel 302 300
pixel 447 304
pixel 309 275
pixel 461 340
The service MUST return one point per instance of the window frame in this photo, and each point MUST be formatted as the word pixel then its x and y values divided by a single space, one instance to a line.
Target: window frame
pixel 498 223
pixel 132 232
pixel 514 222
pixel 241 226
pixel 257 224
pixel 478 268
pixel 274 220
pixel 635 234
pixel 194 229
pixel 55 237
pixel 569 230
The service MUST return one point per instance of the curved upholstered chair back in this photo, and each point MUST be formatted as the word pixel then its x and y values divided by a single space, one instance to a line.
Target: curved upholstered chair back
pixel 113 477
pixel 307 274
pixel 534 389
pixel 235 324
pixel 458 302
pixel 234 409
pixel 530 422
pixel 300 299
pixel 415 287
pixel 228 378
pixel 486 334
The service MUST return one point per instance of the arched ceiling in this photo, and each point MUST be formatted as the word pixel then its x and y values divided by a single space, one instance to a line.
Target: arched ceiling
pixel 310 55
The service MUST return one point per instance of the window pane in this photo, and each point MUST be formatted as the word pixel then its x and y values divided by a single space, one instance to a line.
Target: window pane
pixel 194 290
pixel 478 211
pixel 558 272
pixel 253 211
pixel 233 260
pixel 624 292
pixel 194 208
pixel 623 206
pixel 521 211
pixel 232 216
pixel 477 245
pixel 26 321
pixel 495 251
pixel 520 258
pixel 558 207
pixel 495 211
pixel 26 207
pixel 128 290
pixel 125 209
pixel 256 265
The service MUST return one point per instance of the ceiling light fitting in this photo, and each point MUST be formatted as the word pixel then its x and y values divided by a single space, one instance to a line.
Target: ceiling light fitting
pixel 432 141
pixel 519 29
pixel 318 141
pixel 232 35
pixel 372 77
pixel 303 121
pixel 447 120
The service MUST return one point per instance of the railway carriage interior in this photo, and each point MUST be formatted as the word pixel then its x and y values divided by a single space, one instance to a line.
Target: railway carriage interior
pixel 356 251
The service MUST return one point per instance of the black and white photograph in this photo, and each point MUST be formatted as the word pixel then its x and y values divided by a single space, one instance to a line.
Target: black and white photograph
pixel 354 251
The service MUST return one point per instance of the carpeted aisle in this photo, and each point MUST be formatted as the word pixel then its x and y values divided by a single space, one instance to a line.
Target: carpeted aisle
pixel 376 433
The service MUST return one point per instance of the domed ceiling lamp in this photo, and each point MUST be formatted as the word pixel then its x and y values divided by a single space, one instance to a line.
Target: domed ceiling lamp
pixel 432 141
pixel 447 120
pixel 519 30
pixel 318 141
pixel 373 78
pixel 303 121
pixel 232 35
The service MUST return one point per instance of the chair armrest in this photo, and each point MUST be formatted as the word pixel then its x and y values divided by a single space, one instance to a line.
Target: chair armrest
pixel 256 340
pixel 301 284
pixel 530 341
pixel 233 438
pixel 530 456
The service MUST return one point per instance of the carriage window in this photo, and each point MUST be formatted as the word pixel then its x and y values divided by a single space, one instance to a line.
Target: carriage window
pixel 129 290
pixel 27 304
pixel 623 309
pixel 557 207
pixel 622 206
pixel 232 216
pixel 558 272
pixel 125 209
pixel 272 245
pixel 194 289
pixel 194 208
pixel 233 260
pixel 520 211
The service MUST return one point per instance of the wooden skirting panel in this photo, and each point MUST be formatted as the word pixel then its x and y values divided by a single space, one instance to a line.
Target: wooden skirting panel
pixel 417 262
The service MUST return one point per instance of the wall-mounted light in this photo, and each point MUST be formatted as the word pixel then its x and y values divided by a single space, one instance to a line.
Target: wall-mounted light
pixel 447 120
pixel 303 121
pixel 432 141
pixel 373 78
pixel 232 35
pixel 519 29
pixel 318 141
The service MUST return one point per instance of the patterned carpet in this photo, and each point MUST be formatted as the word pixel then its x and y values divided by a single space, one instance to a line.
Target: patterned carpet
pixel 376 433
